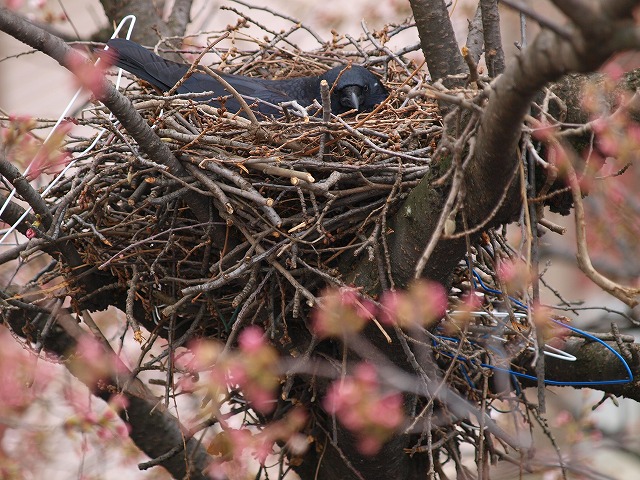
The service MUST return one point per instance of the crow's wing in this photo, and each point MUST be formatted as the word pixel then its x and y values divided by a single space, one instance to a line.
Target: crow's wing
pixel 144 64
pixel 303 90
pixel 164 74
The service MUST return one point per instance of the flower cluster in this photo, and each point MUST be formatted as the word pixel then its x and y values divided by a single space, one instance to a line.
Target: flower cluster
pixel 344 312
pixel 364 408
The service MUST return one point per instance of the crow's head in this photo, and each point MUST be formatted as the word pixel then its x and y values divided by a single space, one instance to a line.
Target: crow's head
pixel 354 87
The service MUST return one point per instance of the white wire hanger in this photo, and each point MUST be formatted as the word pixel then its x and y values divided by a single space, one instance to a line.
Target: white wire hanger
pixel 11 229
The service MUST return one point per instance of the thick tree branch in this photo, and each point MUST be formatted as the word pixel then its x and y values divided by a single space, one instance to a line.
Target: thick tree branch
pixel 493 52
pixel 596 363
pixel 180 17
pixel 475 37
pixel 150 17
pixel 25 190
pixel 153 429
pixel 546 60
pixel 438 40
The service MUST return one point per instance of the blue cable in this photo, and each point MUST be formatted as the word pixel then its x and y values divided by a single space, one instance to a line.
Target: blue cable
pixel 546 381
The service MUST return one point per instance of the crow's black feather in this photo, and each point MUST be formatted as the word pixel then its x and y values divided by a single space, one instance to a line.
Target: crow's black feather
pixel 355 86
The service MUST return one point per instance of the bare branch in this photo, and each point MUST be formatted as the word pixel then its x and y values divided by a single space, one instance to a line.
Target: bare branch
pixel 475 37
pixel 627 295
pixel 154 429
pixel 493 52
pixel 438 40
pixel 180 16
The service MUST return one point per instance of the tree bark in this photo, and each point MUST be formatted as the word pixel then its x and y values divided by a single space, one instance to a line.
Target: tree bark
pixel 152 25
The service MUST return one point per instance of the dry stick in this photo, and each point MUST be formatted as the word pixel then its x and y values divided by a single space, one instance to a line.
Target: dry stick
pixel 325 94
pixel 92 227
pixel 175 120
pixel 371 240
pixel 258 199
pixel 214 166
pixel 282 172
pixel 225 256
pixel 170 359
pixel 236 95
pixel 202 139
pixel 383 215
pixel 283 271
pixel 560 230
pixel 213 187
pixel 131 296
pixel 627 295
pixel 195 64
pixel 217 167
pixel 190 188
pixel 471 65
pixel 621 342
pixel 248 288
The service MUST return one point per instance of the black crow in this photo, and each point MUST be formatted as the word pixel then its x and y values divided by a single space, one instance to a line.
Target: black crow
pixel 355 86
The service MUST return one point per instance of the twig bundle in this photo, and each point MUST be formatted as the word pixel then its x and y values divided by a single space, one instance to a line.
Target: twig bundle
pixel 290 196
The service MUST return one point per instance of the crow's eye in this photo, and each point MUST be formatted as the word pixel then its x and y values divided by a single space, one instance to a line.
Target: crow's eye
pixel 366 88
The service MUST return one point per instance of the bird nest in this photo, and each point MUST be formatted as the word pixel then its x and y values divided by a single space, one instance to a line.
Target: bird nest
pixel 291 196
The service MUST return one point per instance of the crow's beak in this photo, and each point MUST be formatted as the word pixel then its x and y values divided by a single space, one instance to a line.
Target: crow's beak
pixel 351 97
pixel 354 100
